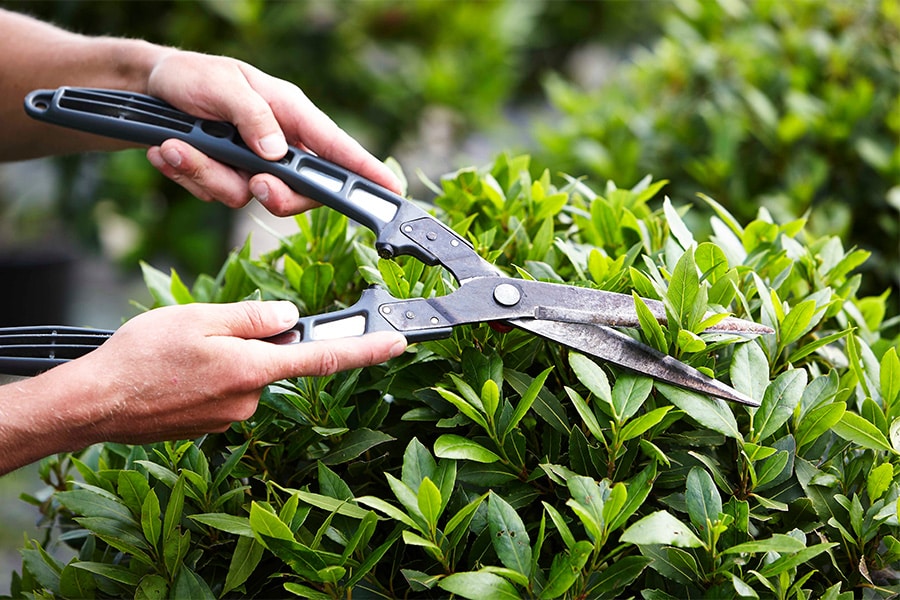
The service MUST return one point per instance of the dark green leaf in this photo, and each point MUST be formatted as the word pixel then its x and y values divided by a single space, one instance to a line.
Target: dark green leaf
pixel 617 576
pixel 854 428
pixel 247 554
pixel 189 584
pixel 566 569
pixel 356 442
pixel 508 535
pixel 703 500
pixel 709 412
pixel 778 403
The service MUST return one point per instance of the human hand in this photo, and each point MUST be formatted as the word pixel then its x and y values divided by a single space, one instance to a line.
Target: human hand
pixel 269 113
pixel 182 371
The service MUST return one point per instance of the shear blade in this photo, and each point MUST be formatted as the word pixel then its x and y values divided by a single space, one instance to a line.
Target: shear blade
pixel 615 347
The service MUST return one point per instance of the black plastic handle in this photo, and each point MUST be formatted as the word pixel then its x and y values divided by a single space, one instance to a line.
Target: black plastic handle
pixel 147 120
pixel 376 310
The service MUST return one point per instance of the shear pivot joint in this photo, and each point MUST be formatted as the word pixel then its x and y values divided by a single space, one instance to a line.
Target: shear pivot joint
pixel 507 294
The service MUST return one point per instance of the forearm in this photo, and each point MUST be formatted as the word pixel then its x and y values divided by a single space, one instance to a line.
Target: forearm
pixel 39 55
pixel 45 415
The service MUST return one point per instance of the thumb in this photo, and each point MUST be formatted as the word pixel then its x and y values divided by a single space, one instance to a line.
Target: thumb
pixel 253 319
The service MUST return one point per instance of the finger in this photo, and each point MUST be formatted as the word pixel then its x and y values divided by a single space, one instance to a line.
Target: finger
pixel 277 197
pixel 306 125
pixel 331 356
pixel 200 175
pixel 250 319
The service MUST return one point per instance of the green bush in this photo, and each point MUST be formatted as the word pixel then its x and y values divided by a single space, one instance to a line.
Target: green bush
pixel 498 465
pixel 784 105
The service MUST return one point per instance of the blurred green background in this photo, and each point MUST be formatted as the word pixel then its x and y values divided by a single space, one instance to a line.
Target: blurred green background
pixel 789 107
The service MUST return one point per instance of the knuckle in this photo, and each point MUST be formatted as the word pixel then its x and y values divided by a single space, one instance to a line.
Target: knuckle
pixel 326 362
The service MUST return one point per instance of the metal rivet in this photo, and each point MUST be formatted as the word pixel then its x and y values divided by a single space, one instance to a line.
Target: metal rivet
pixel 431 236
pixel 410 314
pixel 386 310
pixel 454 243
pixel 507 294
pixel 435 320
pixel 408 228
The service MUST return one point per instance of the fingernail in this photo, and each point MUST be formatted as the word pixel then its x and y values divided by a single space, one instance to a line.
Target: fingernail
pixel 398 348
pixel 172 157
pixel 287 313
pixel 274 145
pixel 260 191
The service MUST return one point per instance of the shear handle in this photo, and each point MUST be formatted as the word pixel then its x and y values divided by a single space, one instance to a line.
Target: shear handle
pixel 147 120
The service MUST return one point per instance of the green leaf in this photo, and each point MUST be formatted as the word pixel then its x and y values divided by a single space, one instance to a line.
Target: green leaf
pixel 586 413
pixel 653 331
pixel 560 523
pixel 389 509
pixel 112 572
pixel 490 397
pixel 592 376
pixel 355 443
pixel 457 447
pixel 749 370
pixel 527 400
pixel 661 527
pixel 152 587
pixel 818 421
pixel 890 378
pixel 479 586
pixel 189 584
pixel 91 504
pixel 463 406
pixel 429 502
pixel 133 488
pixel 76 583
pixel 246 556
pixel 588 500
pixel 266 523
pixel 778 403
pixel 417 465
pixel 509 536
pixel 151 518
pixel 394 278
pixel 638 426
pixel 797 322
pixel 703 500
pixel 314 284
pixel 566 569
pixel 224 522
pixel 856 429
pixel 785 563
pixel 629 394
pixel 709 412
pixel 618 575
pixel 779 542
pixel 879 480
pixel 174 508
pixel 683 289
pixel 45 568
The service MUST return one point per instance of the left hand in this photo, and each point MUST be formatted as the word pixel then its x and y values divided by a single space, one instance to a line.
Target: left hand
pixel 268 112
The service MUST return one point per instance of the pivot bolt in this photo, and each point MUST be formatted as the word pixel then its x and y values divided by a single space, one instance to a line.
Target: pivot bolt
pixel 507 294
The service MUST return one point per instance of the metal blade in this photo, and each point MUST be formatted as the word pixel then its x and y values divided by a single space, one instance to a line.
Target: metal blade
pixel 615 347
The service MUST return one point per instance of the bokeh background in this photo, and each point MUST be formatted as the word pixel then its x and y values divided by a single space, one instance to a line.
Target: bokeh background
pixel 787 107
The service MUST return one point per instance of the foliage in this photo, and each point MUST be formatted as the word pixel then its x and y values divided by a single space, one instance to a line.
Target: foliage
pixel 377 67
pixel 497 465
pixel 787 105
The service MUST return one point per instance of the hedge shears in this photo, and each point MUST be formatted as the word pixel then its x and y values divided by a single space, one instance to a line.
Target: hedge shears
pixel 579 318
